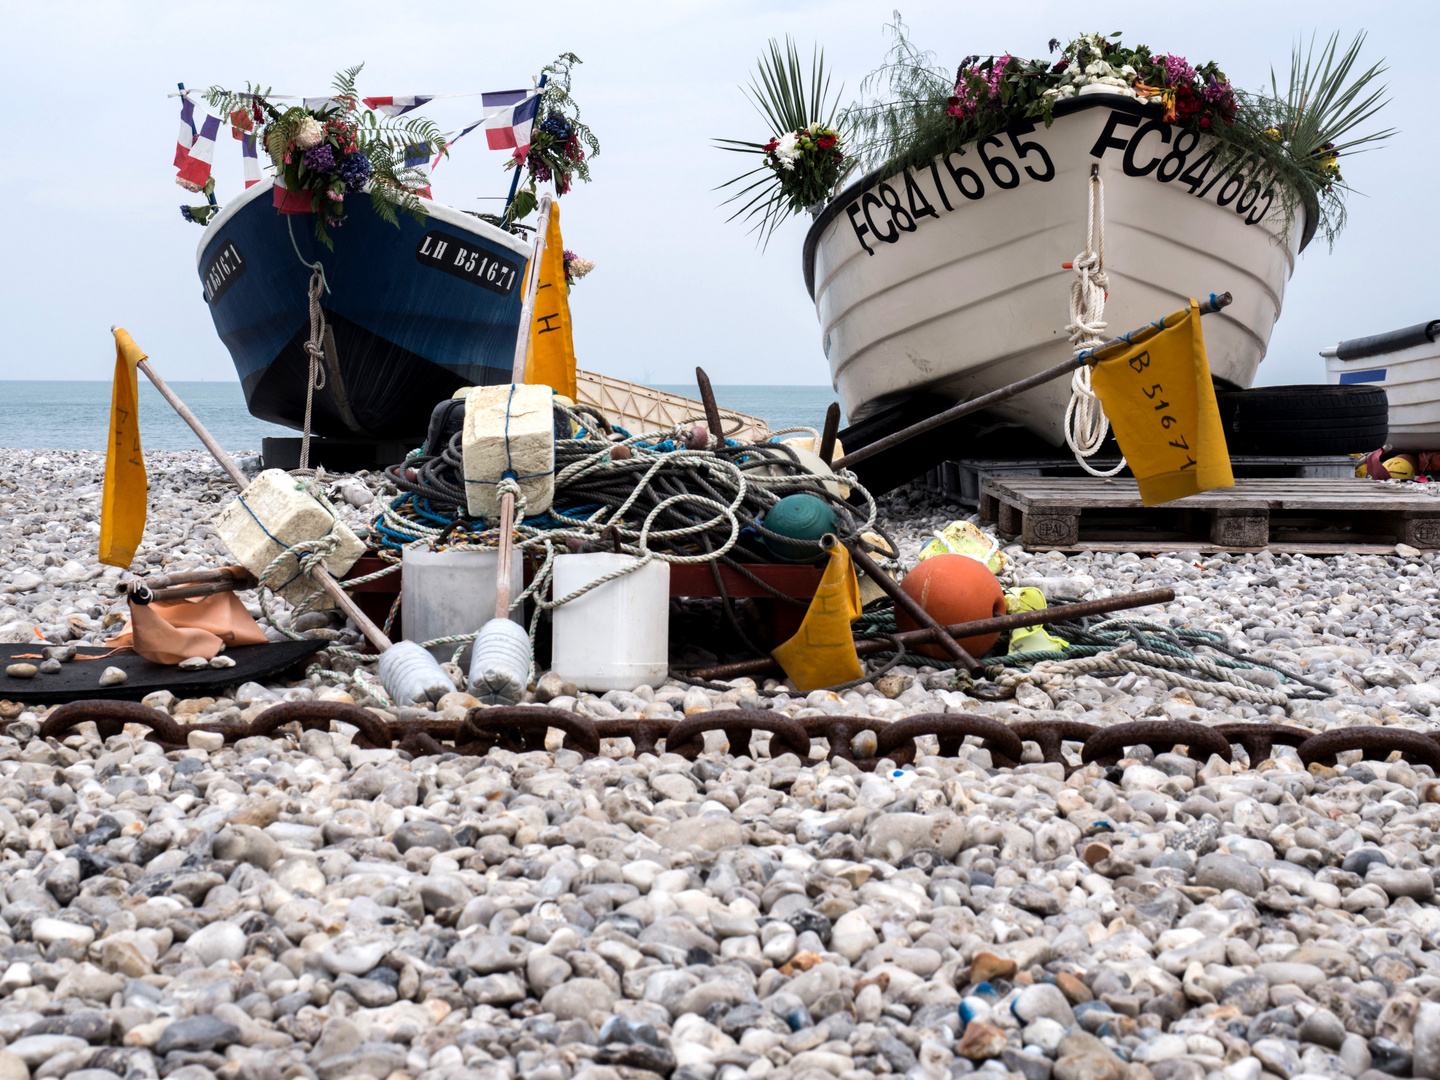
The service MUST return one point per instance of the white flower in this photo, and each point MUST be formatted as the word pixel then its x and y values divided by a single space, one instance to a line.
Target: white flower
pixel 788 151
pixel 309 133
pixel 1127 71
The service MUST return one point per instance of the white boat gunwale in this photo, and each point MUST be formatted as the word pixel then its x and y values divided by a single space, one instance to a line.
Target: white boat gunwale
pixel 1119 102
pixel 435 210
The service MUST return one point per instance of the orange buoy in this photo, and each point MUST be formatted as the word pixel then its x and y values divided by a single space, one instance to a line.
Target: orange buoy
pixel 954 589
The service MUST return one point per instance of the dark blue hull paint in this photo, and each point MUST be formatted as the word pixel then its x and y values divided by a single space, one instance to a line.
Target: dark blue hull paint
pixel 407 333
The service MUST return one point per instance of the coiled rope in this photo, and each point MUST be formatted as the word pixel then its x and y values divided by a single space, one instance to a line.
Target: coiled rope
pixel 645 495
pixel 1086 424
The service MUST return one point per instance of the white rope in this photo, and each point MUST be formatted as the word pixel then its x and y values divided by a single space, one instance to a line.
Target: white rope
pixel 1130 658
pixel 1086 424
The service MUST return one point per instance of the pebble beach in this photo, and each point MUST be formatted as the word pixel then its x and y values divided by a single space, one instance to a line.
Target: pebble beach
pixel 301 907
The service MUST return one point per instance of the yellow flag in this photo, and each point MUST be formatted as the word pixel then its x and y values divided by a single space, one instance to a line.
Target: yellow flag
pixel 122 515
pixel 822 652
pixel 551 359
pixel 1157 392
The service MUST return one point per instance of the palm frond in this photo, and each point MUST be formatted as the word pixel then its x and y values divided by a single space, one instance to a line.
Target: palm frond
pixel 788 98
pixel 1323 102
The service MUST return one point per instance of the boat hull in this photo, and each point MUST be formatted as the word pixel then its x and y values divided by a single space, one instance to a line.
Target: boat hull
pixel 412 319
pixel 1409 373
pixel 949 279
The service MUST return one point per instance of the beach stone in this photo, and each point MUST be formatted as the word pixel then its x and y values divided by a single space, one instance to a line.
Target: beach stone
pixel 113 676
pixel 22 671
pixel 422 834
pixel 981 1042
pixel 1426 1045
pixel 218 941
pixel 578 999
pixel 12 1067
pixel 1217 871
pixel 1089 1065
pixel 197 1033
pixel 1045 1000
pixel 209 741
pixel 1323 1027
pixel 1416 884
pixel 1360 860
pixel 706 833
pixel 49 931
pixel 35 1050
pixel 987 966
pixel 245 843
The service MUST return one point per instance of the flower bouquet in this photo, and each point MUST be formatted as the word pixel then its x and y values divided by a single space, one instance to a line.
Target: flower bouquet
pixel 556 154
pixel 801 167
pixel 575 269
pixel 918 111
pixel 321 155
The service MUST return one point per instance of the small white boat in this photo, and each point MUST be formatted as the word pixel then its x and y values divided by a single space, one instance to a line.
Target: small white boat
pixel 1406 364
pixel 949 279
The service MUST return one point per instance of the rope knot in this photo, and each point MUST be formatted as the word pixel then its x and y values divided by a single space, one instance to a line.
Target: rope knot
pixel 510 484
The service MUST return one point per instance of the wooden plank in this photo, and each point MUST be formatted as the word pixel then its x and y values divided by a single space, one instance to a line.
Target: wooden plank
pixel 1307 493
pixel 1163 547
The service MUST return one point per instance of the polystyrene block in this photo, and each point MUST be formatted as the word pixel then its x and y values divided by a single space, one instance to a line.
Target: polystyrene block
pixel 509 429
pixel 276 512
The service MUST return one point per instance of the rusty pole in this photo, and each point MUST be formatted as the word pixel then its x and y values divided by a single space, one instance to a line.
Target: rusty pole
pixel 767 666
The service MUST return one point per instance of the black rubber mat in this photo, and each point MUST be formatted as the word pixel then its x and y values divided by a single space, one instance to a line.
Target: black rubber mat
pixel 79 680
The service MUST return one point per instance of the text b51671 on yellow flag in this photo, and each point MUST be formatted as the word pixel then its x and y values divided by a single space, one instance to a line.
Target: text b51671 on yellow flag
pixel 1157 392
pixel 122 514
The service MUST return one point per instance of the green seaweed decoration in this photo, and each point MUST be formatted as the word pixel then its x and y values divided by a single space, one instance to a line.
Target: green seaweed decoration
pixel 558 142
pixel 803 160
pixel 339 149
pixel 912 110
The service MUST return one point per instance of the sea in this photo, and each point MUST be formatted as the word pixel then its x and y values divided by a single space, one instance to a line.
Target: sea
pixel 73 415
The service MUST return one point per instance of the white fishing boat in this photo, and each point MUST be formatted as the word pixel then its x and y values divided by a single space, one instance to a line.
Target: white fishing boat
pixel 950 279
pixel 1406 364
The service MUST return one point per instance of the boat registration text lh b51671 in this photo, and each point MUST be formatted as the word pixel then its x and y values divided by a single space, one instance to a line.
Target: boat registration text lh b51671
pixel 467 260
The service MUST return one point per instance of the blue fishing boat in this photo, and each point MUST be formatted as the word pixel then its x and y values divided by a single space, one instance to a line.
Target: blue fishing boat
pixel 416 311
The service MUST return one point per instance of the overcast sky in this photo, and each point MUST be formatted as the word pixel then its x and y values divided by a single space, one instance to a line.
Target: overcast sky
pixel 93 235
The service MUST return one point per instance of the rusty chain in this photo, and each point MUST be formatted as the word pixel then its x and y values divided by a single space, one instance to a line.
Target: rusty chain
pixel 524 728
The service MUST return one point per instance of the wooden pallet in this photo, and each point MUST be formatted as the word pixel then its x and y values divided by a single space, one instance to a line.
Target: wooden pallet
pixel 1302 515
pixel 961 479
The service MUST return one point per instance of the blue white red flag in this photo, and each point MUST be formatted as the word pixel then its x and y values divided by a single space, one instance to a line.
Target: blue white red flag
pixel 186 138
pixel 397 106
pixel 196 167
pixel 509 117
pixel 250 158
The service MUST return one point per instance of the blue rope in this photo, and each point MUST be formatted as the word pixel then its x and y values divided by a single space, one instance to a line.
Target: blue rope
pixel 1212 302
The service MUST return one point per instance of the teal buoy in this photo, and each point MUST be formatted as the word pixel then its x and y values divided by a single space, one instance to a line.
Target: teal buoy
pixel 800 517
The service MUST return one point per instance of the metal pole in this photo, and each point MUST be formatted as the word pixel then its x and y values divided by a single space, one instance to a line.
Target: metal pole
pixel 532 286
pixel 826 449
pixel 879 446
pixel 321 576
pixel 999 624
pixel 712 410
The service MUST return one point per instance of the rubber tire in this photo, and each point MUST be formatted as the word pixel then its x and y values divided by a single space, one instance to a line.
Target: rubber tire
pixel 1306 420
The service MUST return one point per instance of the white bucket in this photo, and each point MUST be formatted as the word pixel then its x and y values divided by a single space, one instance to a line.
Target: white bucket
pixel 616 636
pixel 447 593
